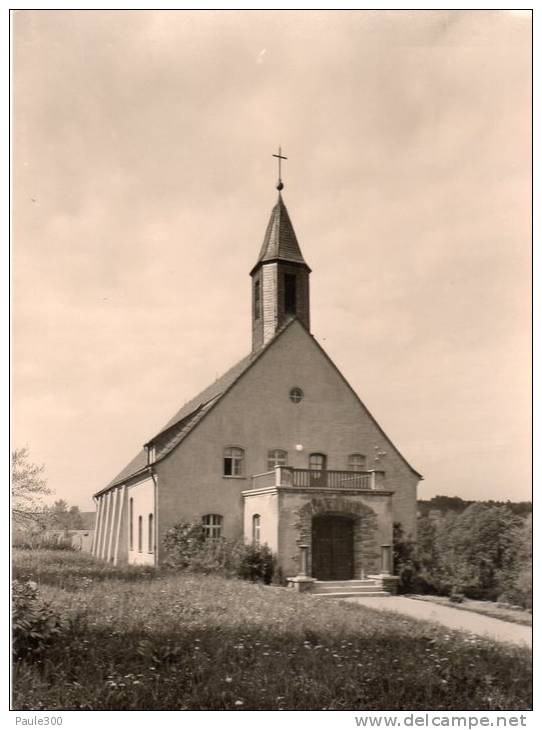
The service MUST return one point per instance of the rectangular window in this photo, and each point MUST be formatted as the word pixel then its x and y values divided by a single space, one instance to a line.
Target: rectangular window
pixel 131 523
pixel 212 524
pixel 140 533
pixel 318 466
pixel 317 462
pixel 356 462
pixel 256 530
pixel 276 457
pixel 290 293
pixel 150 546
pixel 233 461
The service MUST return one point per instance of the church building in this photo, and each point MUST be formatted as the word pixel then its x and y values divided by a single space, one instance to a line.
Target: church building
pixel 280 450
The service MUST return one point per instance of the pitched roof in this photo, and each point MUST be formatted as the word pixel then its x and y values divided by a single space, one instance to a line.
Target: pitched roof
pixel 280 241
pixel 211 392
pixel 137 464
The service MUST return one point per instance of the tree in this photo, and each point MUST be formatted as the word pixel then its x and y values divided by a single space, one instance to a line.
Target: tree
pixel 517 584
pixel 477 550
pixel 405 565
pixel 60 517
pixel 28 487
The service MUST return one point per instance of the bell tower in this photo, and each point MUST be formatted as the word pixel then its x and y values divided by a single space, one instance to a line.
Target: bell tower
pixel 280 278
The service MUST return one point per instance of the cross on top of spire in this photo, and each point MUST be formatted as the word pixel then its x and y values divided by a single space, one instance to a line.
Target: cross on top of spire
pixel 280 157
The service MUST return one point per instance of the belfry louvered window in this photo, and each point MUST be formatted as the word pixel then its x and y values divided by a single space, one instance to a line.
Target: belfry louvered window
pixel 290 293
pixel 257 299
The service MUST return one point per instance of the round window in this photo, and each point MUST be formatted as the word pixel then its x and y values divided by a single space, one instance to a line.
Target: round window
pixel 296 395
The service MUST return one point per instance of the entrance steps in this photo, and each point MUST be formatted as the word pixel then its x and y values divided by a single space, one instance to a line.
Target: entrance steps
pixel 368 588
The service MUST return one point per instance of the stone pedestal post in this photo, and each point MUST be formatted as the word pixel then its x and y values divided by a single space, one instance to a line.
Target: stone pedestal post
pixel 302 581
pixel 385 552
pixel 303 549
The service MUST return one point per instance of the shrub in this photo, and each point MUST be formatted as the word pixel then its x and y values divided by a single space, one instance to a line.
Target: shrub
pixel 52 544
pixel 483 552
pixel 257 563
pixel 405 562
pixel 478 550
pixel 35 625
pixel 520 592
pixel 41 541
pixel 188 548
pixel 182 542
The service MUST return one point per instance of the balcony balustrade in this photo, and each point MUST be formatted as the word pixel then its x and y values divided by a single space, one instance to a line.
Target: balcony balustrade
pixel 287 476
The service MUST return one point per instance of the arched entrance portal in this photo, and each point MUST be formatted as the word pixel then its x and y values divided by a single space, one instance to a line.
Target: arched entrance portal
pixel 332 547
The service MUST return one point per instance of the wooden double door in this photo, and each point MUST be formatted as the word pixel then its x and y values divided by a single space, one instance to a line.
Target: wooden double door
pixel 332 547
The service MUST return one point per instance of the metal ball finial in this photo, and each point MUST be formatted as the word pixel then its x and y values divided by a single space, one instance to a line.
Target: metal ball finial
pixel 280 185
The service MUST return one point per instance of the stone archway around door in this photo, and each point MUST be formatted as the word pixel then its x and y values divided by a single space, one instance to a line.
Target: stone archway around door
pixel 363 524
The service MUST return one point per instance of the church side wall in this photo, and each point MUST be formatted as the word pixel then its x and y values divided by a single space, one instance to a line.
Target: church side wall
pixel 257 415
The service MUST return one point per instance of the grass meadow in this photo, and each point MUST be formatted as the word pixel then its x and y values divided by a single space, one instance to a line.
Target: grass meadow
pixel 139 639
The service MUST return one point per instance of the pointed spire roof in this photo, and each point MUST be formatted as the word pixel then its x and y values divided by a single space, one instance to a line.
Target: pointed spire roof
pixel 280 242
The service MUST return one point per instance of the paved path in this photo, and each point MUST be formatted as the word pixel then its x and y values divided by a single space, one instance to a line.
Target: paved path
pixel 451 617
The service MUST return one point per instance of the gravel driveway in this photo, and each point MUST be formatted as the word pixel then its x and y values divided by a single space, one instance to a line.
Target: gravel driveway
pixel 451 617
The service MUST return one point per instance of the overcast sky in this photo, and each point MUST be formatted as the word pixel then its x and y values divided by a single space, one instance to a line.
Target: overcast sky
pixel 143 181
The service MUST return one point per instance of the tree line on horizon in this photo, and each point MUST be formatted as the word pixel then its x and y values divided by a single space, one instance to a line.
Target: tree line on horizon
pixel 444 504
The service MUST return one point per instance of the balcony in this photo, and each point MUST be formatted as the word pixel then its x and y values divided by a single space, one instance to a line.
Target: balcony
pixel 287 476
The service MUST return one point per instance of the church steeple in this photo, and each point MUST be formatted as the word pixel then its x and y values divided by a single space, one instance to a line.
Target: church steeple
pixel 280 278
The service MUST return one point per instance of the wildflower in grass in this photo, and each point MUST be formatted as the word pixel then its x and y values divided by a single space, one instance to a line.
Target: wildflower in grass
pixel 228 679
pixel 238 703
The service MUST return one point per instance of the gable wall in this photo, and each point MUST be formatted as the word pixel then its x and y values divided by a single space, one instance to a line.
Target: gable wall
pixel 258 415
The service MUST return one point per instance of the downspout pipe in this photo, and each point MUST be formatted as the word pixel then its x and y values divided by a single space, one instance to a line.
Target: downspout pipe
pixel 154 476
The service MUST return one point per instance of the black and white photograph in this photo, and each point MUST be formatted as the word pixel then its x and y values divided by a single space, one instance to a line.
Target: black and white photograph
pixel 271 363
